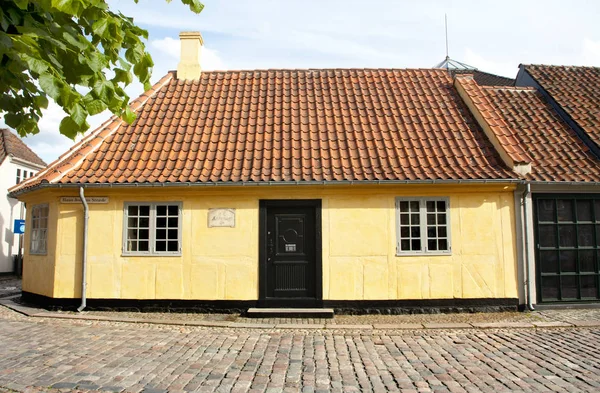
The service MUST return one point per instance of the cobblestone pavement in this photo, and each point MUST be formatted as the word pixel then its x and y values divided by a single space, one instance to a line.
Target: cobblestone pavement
pixel 106 356
pixel 9 286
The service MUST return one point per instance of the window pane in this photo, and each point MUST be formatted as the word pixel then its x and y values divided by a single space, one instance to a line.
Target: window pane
pixel 173 210
pixel 586 261
pixel 173 246
pixel 404 232
pixel 416 244
pixel 172 234
pixel 132 222
pixel 132 245
pixel 414 206
pixel 415 231
pixel 569 287
pixel 546 210
pixel 132 234
pixel 597 210
pixel 585 235
pixel 441 219
pixel 145 211
pixel 405 245
pixel 547 235
pixel 431 245
pixel 161 233
pixel 565 210
pixel 173 222
pixel 161 222
pixel 566 234
pixel 143 234
pixel 443 245
pixel 144 222
pixel 441 206
pixel 431 219
pixel 430 206
pixel 589 287
pixel 442 232
pixel 550 288
pixel 143 245
pixel 161 210
pixel 161 246
pixel 549 261
pixel 132 210
pixel 431 232
pixel 584 210
pixel 414 219
pixel 568 261
pixel 404 219
pixel 404 206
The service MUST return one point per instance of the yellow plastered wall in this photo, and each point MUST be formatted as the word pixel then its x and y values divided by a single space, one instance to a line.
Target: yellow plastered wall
pixel 358 245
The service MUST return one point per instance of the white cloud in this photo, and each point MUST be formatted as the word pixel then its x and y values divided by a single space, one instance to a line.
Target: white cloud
pixel 503 68
pixel 591 52
pixel 209 59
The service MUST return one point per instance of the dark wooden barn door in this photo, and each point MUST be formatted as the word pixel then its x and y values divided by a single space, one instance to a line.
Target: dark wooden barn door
pixel 290 255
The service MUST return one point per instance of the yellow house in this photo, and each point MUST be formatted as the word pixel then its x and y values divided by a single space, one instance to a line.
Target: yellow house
pixel 357 189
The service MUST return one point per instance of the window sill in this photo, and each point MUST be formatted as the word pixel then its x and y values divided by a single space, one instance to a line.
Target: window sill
pixel 424 254
pixel 174 254
pixel 38 254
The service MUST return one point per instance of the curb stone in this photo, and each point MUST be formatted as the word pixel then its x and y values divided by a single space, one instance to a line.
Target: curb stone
pixel 41 313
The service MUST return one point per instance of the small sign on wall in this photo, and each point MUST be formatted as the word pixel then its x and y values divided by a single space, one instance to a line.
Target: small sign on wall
pixel 87 199
pixel 221 218
pixel 19 227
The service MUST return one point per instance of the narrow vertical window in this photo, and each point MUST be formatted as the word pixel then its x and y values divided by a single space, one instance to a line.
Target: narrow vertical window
pixel 18 176
pixel 39 229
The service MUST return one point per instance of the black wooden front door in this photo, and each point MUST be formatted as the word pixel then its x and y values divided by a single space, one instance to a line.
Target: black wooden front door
pixel 290 255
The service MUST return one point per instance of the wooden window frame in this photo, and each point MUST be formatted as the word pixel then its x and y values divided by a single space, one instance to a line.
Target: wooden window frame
pixel 423 236
pixel 38 232
pixel 152 229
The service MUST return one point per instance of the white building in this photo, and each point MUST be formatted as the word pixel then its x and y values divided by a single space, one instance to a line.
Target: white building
pixel 17 162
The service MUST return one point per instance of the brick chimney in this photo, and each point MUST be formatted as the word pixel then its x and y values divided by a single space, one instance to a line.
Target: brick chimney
pixel 189 62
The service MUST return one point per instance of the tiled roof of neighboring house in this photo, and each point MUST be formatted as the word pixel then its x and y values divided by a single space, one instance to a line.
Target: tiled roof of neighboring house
pixel 557 153
pixel 485 78
pixel 12 145
pixel 288 126
pixel 576 90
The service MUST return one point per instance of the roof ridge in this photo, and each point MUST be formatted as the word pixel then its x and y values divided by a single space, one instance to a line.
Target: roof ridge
pixel 325 69
pixel 13 145
pixel 108 127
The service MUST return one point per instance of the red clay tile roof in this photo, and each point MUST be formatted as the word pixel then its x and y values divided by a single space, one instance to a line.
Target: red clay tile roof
pixel 12 145
pixel 576 90
pixel 503 132
pixel 288 126
pixel 557 153
pixel 485 78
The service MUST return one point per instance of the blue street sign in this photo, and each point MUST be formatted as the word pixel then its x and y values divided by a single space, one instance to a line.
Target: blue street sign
pixel 19 227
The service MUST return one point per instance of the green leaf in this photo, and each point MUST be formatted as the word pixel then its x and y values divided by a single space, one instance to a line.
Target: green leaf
pixel 68 127
pixel 12 120
pixel 129 115
pixel 100 27
pixel 41 101
pixel 50 85
pixel 94 107
pixel 78 114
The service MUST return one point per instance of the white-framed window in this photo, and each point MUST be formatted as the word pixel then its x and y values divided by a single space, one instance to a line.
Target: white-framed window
pixel 423 226
pixel 39 229
pixel 18 176
pixel 152 228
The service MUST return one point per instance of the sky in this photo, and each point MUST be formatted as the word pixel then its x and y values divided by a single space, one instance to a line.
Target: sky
pixel 493 36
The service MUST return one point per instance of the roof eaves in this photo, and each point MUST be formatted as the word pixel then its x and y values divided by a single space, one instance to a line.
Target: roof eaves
pixel 53 172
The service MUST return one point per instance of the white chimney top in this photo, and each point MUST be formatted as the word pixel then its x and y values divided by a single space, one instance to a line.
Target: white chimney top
pixel 189 63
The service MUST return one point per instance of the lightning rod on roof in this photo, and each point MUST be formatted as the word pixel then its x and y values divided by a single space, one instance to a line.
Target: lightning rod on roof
pixel 446 24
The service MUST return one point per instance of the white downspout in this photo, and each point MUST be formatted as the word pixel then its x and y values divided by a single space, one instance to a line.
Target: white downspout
pixel 84 259
pixel 528 263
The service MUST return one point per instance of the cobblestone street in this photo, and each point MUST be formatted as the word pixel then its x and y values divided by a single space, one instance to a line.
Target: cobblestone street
pixel 67 354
